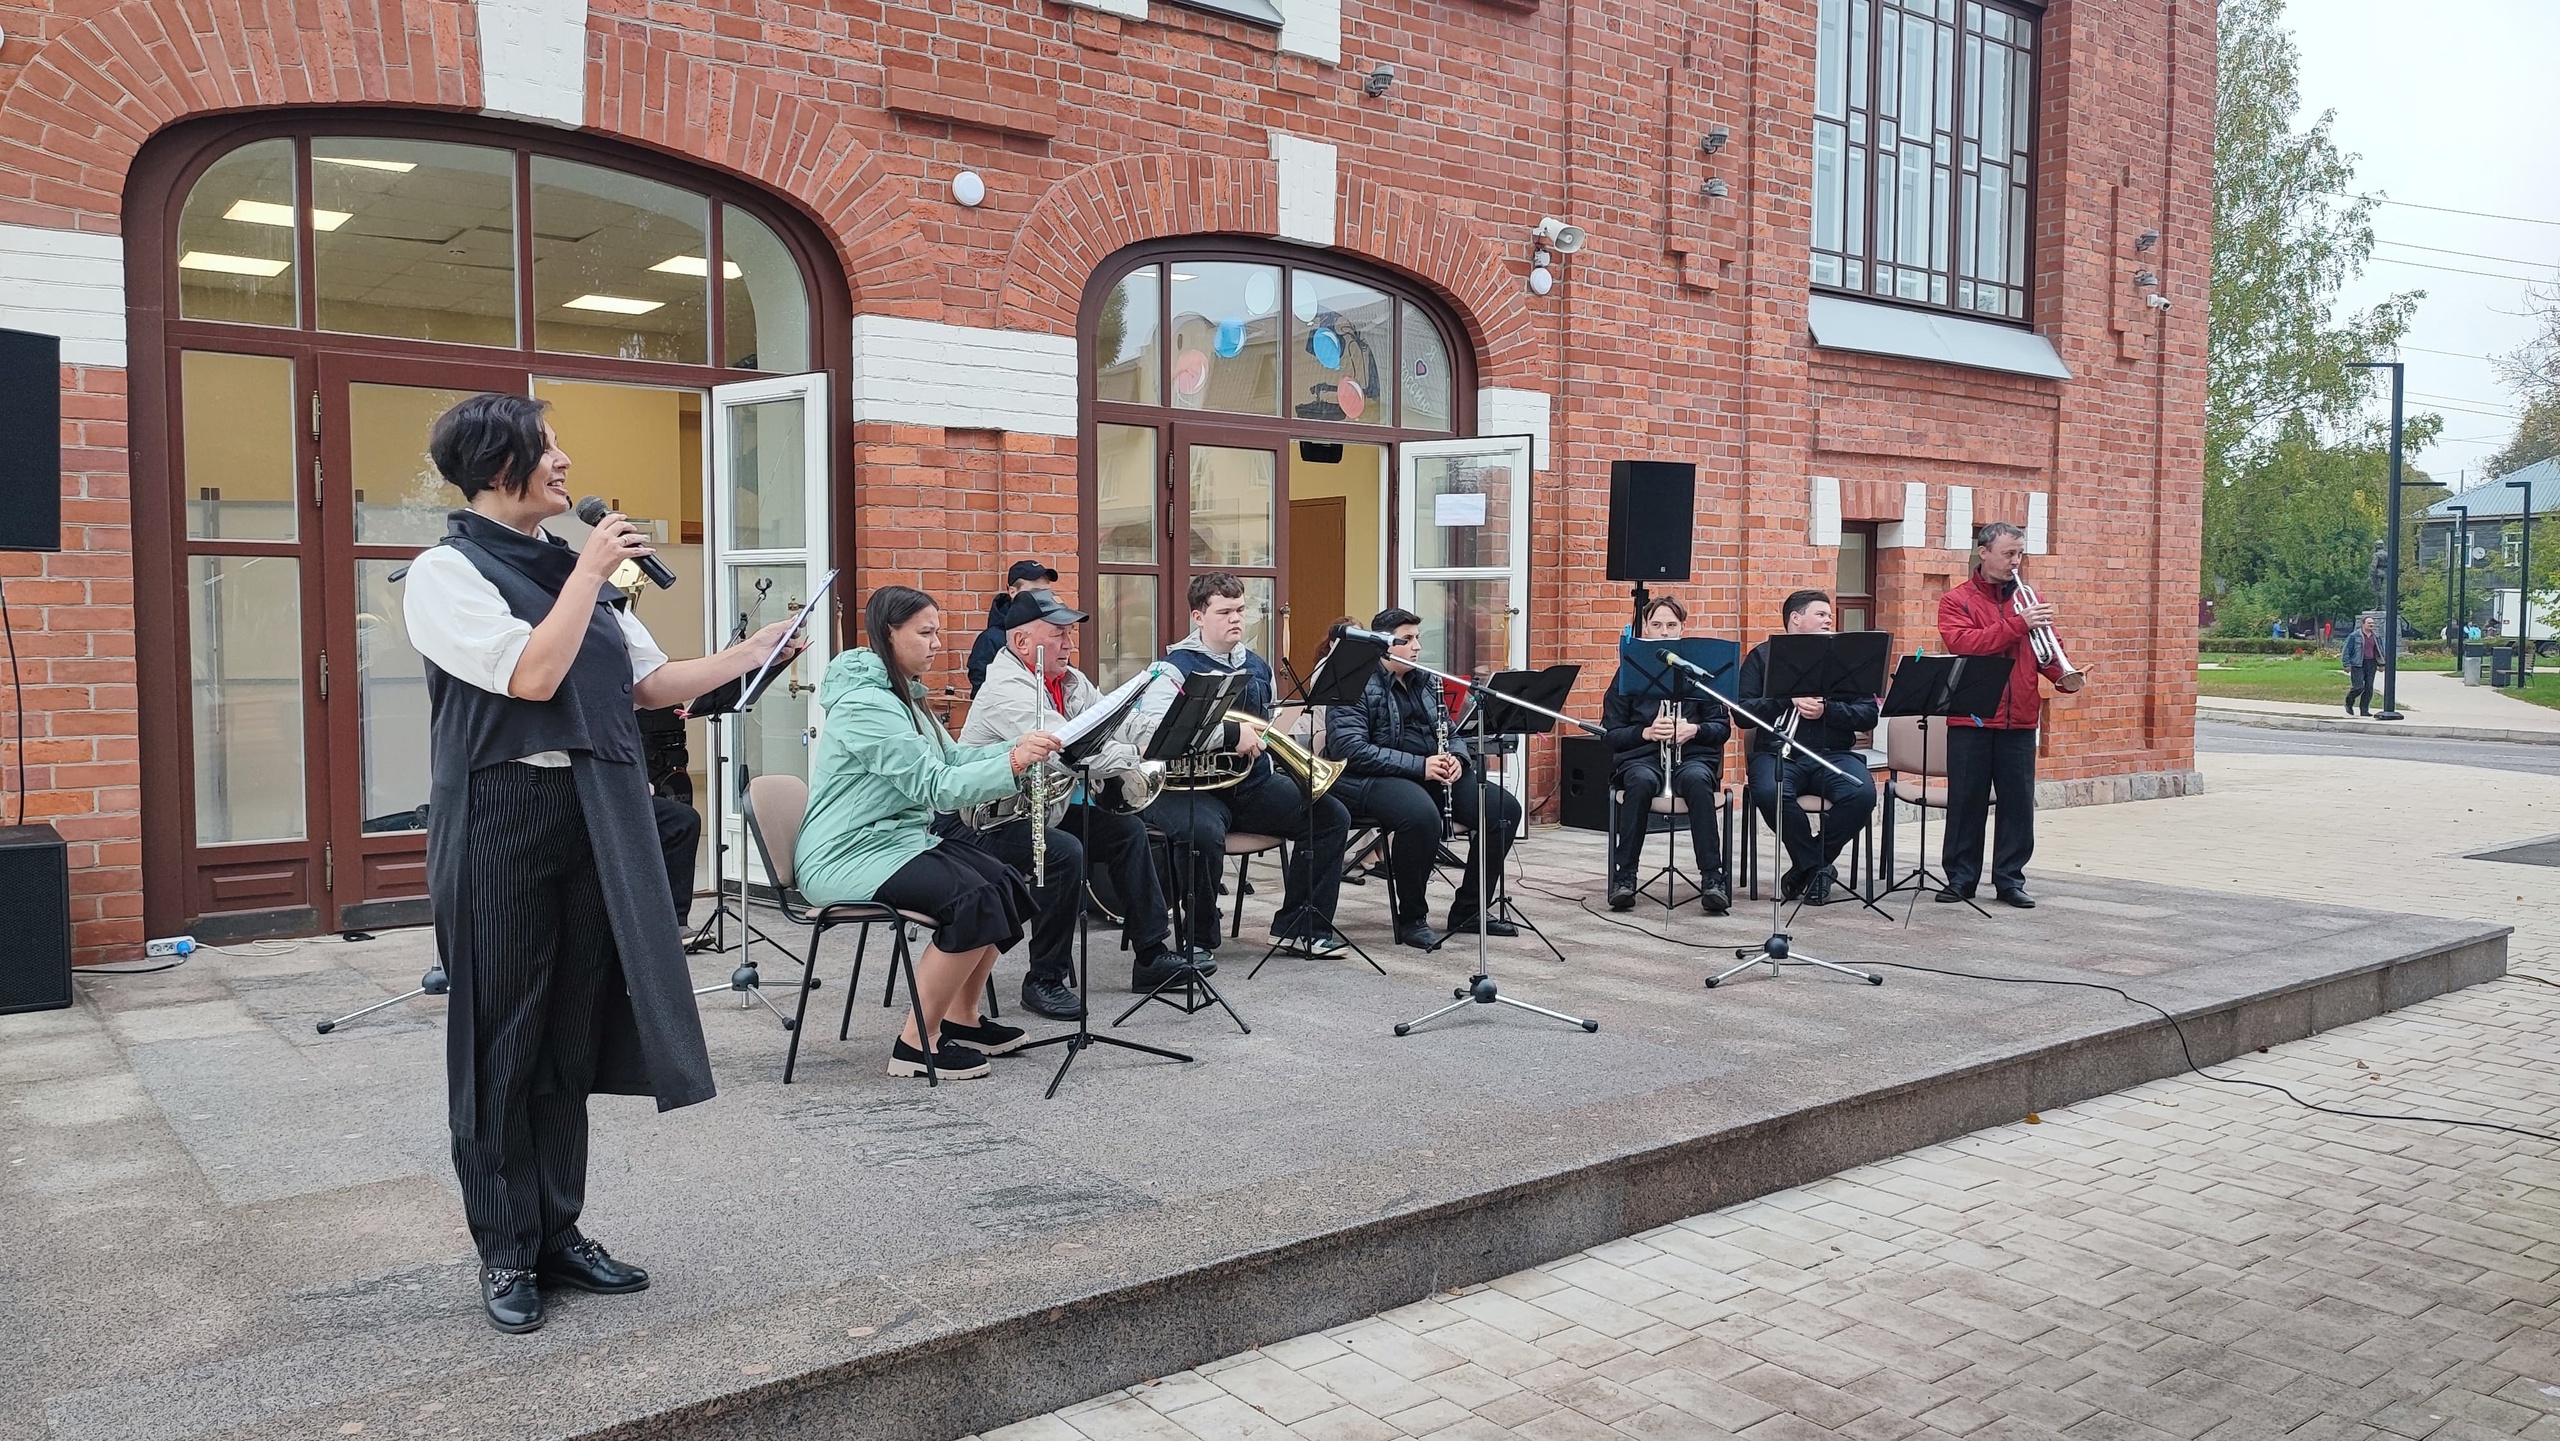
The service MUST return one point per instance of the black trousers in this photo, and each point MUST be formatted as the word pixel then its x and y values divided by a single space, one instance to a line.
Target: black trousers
pixel 1090 837
pixel 1638 783
pixel 1982 762
pixel 1774 788
pixel 545 963
pixel 1271 805
pixel 679 838
pixel 2360 687
pixel 1409 812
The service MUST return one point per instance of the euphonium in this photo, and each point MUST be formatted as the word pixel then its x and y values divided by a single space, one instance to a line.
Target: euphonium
pixel 1125 790
pixel 1314 774
pixel 2047 645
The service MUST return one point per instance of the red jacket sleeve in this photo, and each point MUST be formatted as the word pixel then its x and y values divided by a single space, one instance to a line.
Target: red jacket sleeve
pixel 1966 632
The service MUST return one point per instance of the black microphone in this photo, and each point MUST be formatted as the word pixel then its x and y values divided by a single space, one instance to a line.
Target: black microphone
pixel 593 510
pixel 1374 637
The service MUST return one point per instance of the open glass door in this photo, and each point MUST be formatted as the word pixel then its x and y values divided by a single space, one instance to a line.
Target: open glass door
pixel 1462 550
pixel 768 543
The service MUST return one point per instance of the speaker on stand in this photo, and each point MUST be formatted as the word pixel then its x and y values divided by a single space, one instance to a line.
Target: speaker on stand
pixel 1652 520
pixel 35 870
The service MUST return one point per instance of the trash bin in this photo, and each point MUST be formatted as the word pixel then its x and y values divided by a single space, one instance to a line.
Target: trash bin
pixel 2502 667
pixel 2471 668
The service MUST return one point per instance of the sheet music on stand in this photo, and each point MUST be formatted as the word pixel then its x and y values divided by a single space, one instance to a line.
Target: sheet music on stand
pixel 752 686
pixel 1082 738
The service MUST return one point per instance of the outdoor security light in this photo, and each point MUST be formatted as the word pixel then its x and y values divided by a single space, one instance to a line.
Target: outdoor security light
pixel 2146 240
pixel 1541 280
pixel 1715 190
pixel 1380 81
pixel 969 189
pixel 1717 139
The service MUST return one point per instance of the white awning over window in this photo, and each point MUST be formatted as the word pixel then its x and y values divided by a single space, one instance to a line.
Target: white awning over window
pixel 1840 323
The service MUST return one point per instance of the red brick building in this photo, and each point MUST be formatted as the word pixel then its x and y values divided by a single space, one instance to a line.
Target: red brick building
pixel 1135 286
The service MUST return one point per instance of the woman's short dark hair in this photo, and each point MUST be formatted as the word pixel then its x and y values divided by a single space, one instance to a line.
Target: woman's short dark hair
pixel 1387 620
pixel 1799 602
pixel 1678 611
pixel 490 439
pixel 890 607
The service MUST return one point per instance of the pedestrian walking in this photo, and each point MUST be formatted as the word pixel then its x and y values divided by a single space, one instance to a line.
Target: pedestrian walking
pixel 2362 656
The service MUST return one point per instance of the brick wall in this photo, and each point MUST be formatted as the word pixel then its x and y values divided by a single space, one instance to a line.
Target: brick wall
pixel 1680 331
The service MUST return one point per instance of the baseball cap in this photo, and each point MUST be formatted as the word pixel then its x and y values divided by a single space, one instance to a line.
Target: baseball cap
pixel 1028 570
pixel 1034 605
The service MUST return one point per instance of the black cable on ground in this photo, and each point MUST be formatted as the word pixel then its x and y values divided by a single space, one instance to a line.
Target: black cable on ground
pixel 2184 1049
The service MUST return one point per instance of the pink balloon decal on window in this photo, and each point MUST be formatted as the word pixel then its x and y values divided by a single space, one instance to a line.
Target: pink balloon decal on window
pixel 1190 372
pixel 1347 395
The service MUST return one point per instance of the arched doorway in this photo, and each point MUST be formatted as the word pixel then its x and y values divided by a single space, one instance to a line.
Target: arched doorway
pixel 1260 409
pixel 309 292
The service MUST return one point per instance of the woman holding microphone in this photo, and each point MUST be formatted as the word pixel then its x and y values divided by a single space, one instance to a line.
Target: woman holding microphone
pixel 885 766
pixel 551 901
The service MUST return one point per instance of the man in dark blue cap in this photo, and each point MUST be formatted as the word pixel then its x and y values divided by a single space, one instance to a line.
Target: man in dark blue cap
pixel 1024 575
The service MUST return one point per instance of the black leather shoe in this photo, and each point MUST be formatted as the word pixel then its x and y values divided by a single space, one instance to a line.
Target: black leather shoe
pixel 1622 897
pixel 1417 934
pixel 511 1298
pixel 1951 895
pixel 587 1266
pixel 1047 996
pixel 2018 898
pixel 1817 887
pixel 1791 885
pixel 1493 926
pixel 1168 968
pixel 1718 898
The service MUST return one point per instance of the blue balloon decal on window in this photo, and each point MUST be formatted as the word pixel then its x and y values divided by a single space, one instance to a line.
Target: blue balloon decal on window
pixel 1230 339
pixel 1326 347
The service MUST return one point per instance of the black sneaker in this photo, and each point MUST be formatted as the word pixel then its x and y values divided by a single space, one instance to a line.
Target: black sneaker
pixel 1951 895
pixel 1817 887
pixel 1045 996
pixel 992 1037
pixel 1718 898
pixel 1792 884
pixel 1417 934
pixel 950 1063
pixel 1622 895
pixel 1493 926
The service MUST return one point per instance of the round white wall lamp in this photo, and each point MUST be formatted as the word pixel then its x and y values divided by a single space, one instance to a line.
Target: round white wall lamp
pixel 1541 280
pixel 969 189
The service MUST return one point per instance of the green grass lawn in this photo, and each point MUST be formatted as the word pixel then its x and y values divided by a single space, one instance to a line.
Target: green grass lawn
pixel 2319 680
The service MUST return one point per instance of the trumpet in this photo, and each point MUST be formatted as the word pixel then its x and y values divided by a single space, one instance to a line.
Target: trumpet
pixel 1670 717
pixel 2047 645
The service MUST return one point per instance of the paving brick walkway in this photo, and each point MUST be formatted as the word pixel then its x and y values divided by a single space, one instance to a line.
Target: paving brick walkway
pixel 2179 1260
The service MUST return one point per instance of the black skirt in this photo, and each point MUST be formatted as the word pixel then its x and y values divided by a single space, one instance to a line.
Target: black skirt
pixel 975 900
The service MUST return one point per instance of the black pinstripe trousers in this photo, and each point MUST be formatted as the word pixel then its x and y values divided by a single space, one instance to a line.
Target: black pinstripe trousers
pixel 543 956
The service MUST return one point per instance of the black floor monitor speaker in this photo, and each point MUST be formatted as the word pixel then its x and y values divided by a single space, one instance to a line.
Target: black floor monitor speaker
pixel 1652 513
pixel 35 918
pixel 1583 799
pixel 30 441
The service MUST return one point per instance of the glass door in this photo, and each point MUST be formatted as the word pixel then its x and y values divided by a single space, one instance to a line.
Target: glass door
pixel 383 503
pixel 1462 548
pixel 768 538
pixel 1232 497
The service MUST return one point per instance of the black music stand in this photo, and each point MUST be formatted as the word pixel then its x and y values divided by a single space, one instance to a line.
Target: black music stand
pixel 1195 723
pixel 1339 679
pixel 1939 687
pixel 1511 703
pixel 1844 665
pixel 1491 705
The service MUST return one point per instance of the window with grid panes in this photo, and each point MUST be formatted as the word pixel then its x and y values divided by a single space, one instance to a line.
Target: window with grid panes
pixel 1923 149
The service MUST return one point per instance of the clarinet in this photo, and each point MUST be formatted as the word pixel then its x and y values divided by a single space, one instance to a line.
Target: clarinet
pixel 1449 792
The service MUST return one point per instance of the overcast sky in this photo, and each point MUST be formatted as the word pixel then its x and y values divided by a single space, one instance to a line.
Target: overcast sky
pixel 2449 103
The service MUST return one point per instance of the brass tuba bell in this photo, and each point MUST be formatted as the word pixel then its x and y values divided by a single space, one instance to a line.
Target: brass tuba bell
pixel 1314 774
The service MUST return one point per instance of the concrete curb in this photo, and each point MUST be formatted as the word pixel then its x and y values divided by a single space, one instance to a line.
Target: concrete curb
pixel 2269 720
pixel 976 1378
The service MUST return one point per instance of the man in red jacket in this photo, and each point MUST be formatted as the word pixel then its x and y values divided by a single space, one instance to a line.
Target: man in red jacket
pixel 1994 753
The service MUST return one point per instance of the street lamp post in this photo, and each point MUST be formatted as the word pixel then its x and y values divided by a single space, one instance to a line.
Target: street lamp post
pixel 2391 547
pixel 2524 586
pixel 2457 561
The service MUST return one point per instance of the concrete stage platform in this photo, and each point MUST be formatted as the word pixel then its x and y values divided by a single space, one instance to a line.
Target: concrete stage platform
pixel 223 1225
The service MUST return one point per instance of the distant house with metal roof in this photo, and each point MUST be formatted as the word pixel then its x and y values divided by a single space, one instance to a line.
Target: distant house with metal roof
pixel 2494 504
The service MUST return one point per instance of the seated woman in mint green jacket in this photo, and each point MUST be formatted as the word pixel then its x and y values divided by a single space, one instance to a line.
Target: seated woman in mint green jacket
pixel 884 767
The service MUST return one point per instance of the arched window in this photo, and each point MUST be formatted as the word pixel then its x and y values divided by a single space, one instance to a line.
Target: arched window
pixel 326 284
pixel 1243 406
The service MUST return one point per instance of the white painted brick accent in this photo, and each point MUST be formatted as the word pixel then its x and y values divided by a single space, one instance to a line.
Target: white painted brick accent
pixel 67 283
pixel 1312 28
pixel 1826 510
pixel 2039 513
pixel 1959 517
pixel 1309 180
pixel 922 372
pixel 1517 412
pixel 1913 529
pixel 533 60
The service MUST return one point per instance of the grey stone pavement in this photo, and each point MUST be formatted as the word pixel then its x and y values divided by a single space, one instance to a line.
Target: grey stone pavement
pixel 2181 1259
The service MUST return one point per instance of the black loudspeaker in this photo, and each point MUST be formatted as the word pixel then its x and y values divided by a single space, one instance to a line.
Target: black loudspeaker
pixel 30 441
pixel 1652 513
pixel 1583 800
pixel 35 916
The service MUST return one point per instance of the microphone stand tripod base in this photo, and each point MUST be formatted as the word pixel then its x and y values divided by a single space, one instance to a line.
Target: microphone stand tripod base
pixel 1779 950
pixel 434 983
pixel 1481 991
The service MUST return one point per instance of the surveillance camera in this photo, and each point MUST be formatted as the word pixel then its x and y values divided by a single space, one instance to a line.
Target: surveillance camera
pixel 1716 140
pixel 1380 81
pixel 1717 189
pixel 1559 237
pixel 2157 302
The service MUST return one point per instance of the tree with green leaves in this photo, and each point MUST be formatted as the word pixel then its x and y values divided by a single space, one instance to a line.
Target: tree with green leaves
pixel 2286 240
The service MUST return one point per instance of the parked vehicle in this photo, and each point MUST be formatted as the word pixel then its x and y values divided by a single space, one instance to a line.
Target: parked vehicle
pixel 2537 628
